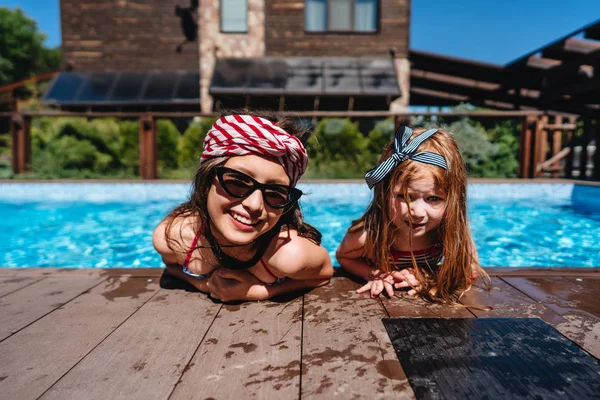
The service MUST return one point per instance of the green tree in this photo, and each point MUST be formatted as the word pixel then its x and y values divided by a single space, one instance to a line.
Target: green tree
pixel 22 50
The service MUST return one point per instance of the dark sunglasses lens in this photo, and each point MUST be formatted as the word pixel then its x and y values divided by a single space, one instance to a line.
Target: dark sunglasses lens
pixel 236 185
pixel 277 197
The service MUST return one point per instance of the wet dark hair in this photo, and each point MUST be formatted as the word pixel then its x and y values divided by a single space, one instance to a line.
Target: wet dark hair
pixel 196 206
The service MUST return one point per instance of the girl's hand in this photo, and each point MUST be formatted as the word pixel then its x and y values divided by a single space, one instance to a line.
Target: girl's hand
pixel 406 278
pixel 378 282
pixel 230 285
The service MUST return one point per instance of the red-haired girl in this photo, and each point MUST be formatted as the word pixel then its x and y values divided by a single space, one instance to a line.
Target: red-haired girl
pixel 415 233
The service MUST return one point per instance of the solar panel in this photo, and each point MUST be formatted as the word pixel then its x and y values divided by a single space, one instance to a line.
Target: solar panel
pixel 95 87
pixel 160 86
pixel 231 75
pixel 64 87
pixel 188 87
pixel 128 87
pixel 268 76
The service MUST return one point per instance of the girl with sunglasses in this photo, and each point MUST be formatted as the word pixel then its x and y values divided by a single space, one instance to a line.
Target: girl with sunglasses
pixel 241 235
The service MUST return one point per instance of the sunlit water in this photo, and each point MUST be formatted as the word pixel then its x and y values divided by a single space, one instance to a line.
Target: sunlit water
pixel 110 225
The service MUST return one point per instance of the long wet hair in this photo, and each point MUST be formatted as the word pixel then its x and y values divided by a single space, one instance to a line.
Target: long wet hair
pixel 196 205
pixel 452 278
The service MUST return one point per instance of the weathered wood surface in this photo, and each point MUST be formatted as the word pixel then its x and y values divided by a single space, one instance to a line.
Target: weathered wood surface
pixel 251 351
pixel 146 355
pixel 10 285
pixel 108 337
pixel 23 307
pixel 346 352
pixel 32 360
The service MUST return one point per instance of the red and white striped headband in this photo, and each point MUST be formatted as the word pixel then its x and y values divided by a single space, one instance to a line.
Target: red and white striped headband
pixel 240 135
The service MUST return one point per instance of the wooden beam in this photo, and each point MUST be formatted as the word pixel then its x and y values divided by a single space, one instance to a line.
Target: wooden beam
pixel 148 152
pixel 525 148
pixel 21 143
pixel 556 141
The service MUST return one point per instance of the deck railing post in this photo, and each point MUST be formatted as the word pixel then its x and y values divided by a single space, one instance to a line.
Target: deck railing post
pixel 583 156
pixel 596 171
pixel 525 148
pixel 557 144
pixel 148 152
pixel 21 143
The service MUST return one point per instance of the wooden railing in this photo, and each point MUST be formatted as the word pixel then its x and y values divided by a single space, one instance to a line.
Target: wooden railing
pixel 547 142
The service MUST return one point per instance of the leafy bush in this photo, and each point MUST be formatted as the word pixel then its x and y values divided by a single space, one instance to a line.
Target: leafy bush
pixel 167 141
pixel 382 133
pixel 190 146
pixel 130 147
pixel 339 147
pixel 473 144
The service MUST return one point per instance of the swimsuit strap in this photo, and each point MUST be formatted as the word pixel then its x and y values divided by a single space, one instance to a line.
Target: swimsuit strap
pixel 192 248
pixel 278 280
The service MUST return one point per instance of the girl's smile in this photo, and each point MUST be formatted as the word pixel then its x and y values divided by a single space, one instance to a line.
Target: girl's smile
pixel 240 221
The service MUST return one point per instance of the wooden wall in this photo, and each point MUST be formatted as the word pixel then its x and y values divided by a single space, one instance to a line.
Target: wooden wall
pixel 285 35
pixel 124 35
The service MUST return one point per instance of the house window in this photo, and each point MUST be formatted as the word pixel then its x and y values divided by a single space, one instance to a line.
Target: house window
pixel 234 16
pixel 341 15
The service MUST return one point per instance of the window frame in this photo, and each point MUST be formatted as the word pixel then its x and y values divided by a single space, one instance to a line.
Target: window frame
pixel 245 32
pixel 352 16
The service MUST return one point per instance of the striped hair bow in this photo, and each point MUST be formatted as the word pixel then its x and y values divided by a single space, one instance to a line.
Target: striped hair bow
pixel 239 135
pixel 403 150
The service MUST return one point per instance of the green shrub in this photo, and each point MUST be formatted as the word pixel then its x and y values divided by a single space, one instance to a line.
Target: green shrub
pixel 167 141
pixel 382 133
pixel 191 144
pixel 130 147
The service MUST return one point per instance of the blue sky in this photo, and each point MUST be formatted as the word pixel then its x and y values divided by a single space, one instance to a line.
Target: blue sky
pixel 495 31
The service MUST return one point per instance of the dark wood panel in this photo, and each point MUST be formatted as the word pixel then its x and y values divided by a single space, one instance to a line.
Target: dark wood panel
pixel 23 307
pixel 36 357
pixel 252 350
pixel 144 357
pixel 346 351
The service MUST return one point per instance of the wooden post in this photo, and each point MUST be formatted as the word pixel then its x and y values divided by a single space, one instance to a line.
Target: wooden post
pixel 21 143
pixel 571 144
pixel 541 144
pixel 596 171
pixel 525 148
pixel 557 144
pixel 583 156
pixel 148 153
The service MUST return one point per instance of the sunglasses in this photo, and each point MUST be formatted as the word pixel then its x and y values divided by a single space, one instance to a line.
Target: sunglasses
pixel 239 185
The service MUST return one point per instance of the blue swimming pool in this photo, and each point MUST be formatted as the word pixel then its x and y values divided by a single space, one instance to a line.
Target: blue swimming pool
pixel 95 225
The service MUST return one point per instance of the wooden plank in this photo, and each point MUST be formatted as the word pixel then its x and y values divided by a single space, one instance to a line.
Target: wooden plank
pixel 145 357
pixel 23 307
pixel 252 350
pixel 12 284
pixel 506 302
pixel 70 272
pixel 346 351
pixel 525 149
pixel 402 305
pixel 577 303
pixel 36 357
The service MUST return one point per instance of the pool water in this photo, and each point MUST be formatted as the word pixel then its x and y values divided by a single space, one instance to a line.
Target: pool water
pixel 110 225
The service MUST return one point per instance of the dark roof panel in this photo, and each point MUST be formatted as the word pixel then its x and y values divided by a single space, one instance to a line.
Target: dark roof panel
pixel 117 88
pixel 313 76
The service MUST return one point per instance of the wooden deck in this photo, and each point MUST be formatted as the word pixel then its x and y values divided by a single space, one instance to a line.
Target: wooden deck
pixel 88 334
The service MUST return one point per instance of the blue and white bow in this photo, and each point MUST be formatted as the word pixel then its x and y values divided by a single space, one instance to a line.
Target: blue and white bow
pixel 403 150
